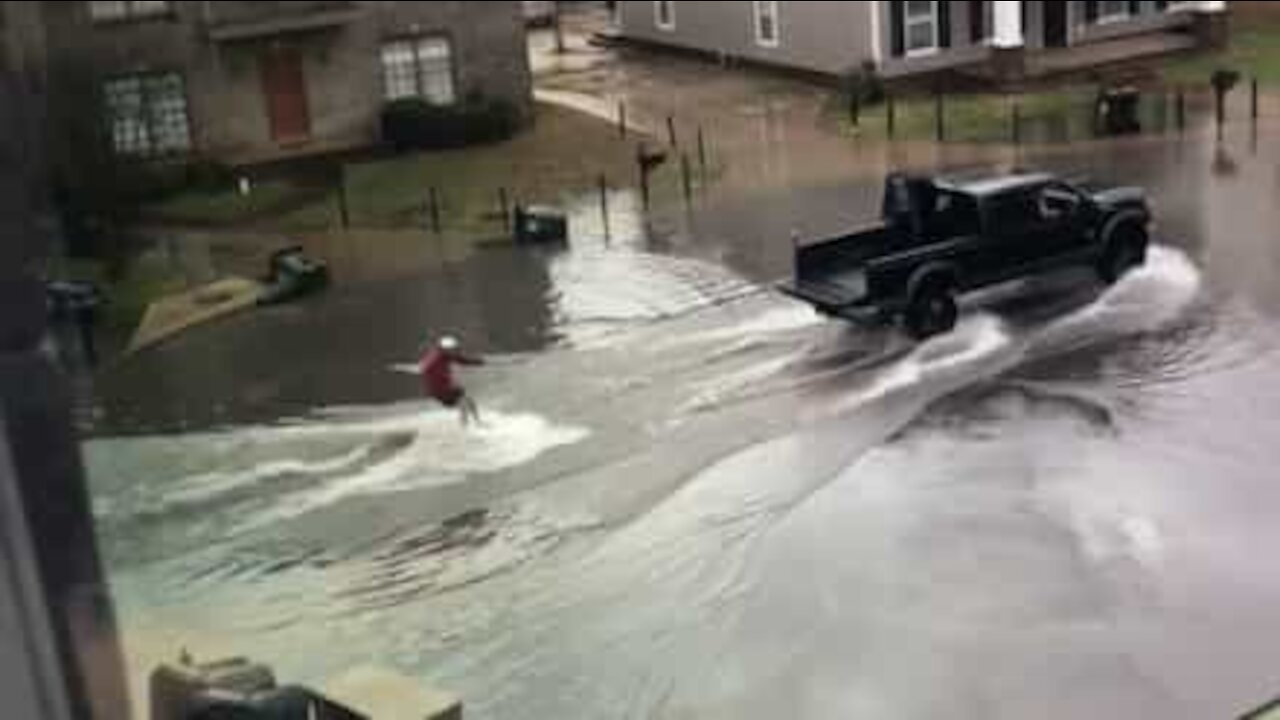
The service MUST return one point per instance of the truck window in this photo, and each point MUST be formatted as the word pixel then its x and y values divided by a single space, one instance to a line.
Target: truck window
pixel 1057 201
pixel 954 214
pixel 1014 214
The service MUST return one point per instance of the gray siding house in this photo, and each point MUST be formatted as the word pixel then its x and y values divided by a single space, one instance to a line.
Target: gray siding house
pixel 253 81
pixel 907 37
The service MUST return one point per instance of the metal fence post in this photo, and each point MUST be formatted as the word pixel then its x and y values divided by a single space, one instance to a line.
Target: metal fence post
pixel 603 184
pixel 434 199
pixel 644 175
pixel 1180 109
pixel 702 154
pixel 686 178
pixel 622 120
pixel 939 115
pixel 344 212
pixel 671 131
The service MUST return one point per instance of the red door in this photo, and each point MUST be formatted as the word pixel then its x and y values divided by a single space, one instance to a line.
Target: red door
pixel 286 95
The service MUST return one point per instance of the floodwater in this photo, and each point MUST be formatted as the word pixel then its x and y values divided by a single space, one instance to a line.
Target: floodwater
pixel 694 498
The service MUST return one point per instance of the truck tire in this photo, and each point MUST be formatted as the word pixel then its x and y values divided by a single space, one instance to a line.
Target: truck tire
pixel 931 310
pixel 1126 249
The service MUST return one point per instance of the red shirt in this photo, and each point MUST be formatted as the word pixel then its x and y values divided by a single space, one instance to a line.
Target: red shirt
pixel 437 370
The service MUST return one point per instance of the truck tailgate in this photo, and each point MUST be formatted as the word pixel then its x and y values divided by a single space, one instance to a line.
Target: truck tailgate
pixel 833 290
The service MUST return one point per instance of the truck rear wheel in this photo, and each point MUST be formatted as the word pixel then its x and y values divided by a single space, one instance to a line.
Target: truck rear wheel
pixel 1126 250
pixel 932 311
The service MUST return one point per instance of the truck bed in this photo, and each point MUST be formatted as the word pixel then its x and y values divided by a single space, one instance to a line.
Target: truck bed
pixel 826 271
pixel 833 290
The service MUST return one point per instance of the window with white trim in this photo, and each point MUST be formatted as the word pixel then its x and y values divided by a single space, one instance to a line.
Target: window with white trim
pixel 1113 10
pixel 419 67
pixel 121 10
pixel 147 114
pixel 664 14
pixel 766 22
pixel 920 27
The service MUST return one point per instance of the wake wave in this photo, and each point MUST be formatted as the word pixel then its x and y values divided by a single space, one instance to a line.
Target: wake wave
pixel 441 453
pixel 293 470
pixel 670 582
pixel 1145 300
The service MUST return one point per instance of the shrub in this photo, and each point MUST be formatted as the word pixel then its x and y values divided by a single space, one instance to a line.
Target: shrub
pixel 414 124
pixel 208 174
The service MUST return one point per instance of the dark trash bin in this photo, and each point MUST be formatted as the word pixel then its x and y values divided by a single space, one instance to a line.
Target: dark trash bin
pixel 540 225
pixel 76 305
pixel 291 275
pixel 1117 111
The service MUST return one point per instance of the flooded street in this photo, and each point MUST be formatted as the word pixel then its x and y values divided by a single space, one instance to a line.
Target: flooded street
pixel 692 497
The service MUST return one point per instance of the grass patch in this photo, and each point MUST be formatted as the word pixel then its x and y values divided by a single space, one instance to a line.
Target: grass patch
pixel 563 152
pixel 226 207
pixel 982 117
pixel 1063 114
pixel 1254 51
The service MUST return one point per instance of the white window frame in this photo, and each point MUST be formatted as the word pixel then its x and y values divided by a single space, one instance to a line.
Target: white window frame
pixel 159 128
pixel 414 50
pixel 126 10
pixel 756 15
pixel 1105 17
pixel 933 19
pixel 439 86
pixel 670 23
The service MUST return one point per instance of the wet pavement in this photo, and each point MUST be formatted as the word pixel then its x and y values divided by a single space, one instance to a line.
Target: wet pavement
pixel 694 498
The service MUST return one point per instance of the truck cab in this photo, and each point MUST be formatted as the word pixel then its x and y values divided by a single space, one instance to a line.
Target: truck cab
pixel 940 238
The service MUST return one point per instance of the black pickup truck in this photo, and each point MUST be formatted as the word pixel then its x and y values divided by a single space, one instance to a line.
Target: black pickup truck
pixel 941 238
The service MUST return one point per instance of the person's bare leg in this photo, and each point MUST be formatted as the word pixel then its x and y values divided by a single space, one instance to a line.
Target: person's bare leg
pixel 470 408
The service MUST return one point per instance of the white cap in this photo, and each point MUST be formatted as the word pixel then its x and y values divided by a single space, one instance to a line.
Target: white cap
pixel 449 342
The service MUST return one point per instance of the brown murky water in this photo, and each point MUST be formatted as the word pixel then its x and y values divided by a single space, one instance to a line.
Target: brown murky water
pixel 696 499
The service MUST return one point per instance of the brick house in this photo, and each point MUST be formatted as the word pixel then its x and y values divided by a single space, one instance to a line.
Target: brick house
pixel 23 122
pixel 255 81
pixel 994 38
